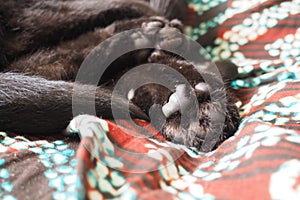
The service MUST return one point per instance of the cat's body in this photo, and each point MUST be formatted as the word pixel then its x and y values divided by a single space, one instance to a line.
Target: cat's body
pixel 44 43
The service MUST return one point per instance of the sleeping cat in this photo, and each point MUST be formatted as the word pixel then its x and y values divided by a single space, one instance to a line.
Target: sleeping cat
pixel 43 43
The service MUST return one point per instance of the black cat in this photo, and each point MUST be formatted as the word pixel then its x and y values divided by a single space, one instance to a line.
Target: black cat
pixel 43 44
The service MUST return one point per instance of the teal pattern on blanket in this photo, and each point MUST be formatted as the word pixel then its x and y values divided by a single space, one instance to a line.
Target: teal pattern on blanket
pixel 57 158
pixel 5 186
pixel 61 164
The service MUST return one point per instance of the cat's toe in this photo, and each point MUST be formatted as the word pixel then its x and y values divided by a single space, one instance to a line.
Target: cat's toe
pixel 170 38
pixel 152 28
pixel 163 33
pixel 140 40
pixel 176 24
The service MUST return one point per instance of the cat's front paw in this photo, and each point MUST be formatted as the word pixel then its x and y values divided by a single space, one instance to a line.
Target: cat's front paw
pixel 204 123
pixel 160 33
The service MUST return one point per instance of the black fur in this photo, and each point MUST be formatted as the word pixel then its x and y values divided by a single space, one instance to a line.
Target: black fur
pixel 44 42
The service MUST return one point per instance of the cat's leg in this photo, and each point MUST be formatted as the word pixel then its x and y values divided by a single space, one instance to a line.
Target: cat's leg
pixel 63 61
pixel 38 106
pixel 31 24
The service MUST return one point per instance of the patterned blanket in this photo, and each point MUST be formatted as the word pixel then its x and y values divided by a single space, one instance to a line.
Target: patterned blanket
pixel 261 161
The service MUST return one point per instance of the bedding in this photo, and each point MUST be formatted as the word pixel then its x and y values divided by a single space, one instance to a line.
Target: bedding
pixel 261 161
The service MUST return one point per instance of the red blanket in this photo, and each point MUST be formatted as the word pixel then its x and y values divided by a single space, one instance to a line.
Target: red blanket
pixel 262 160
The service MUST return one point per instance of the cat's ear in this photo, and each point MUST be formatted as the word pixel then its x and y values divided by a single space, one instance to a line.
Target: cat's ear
pixel 171 9
pixel 227 69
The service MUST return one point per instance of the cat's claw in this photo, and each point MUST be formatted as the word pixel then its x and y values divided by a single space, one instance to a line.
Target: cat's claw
pixel 202 87
pixel 179 100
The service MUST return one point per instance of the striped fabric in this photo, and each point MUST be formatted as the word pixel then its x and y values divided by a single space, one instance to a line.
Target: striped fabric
pixel 262 160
